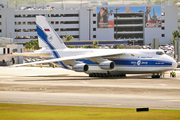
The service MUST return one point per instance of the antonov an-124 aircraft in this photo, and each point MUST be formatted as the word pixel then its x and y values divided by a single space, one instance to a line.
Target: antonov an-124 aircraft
pixel 100 62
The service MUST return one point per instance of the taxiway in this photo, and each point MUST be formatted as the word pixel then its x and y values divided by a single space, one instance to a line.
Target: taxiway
pixel 56 86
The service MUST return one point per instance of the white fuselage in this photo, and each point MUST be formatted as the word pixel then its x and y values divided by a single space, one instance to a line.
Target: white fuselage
pixel 133 61
pixel 99 61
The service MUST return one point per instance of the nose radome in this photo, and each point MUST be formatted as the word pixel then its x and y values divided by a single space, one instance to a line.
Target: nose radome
pixel 174 64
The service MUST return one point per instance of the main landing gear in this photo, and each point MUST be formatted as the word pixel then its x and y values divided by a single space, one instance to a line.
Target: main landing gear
pixel 105 75
pixel 155 76
pixel 98 75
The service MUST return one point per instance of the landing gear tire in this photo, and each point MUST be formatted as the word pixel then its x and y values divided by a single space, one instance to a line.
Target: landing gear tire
pixel 106 75
pixel 101 74
pixel 90 75
pixel 124 75
pixel 155 76
pixel 97 75
pixel 93 75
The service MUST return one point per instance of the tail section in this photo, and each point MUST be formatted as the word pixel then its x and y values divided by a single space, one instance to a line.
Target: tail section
pixel 47 36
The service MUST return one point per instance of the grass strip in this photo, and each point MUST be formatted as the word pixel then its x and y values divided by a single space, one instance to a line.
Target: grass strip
pixel 49 112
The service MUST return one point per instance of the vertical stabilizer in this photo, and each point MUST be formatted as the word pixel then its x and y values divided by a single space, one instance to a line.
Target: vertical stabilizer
pixel 47 36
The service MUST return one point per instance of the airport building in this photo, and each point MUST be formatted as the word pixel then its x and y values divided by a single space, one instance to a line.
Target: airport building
pixel 110 22
pixel 6 48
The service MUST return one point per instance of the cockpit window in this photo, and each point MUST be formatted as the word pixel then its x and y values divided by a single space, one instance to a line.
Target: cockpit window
pixel 159 53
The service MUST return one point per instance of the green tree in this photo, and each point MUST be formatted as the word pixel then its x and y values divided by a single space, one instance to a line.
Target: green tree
pixel 134 3
pixel 68 38
pixel 175 34
pixel 121 47
pixel 35 44
pixel 95 43
pixel 148 1
pixel 72 46
pixel 28 45
pixel 157 2
pixel 86 46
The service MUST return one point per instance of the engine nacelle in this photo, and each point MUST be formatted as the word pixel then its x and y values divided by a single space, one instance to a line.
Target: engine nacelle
pixel 80 67
pixel 107 65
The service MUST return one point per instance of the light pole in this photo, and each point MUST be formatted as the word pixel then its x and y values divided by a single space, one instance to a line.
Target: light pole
pixel 43 4
pixel 35 4
pixel 10 37
pixel 116 20
pixel 16 38
pixel 62 5
pixel 168 2
pixel 16 2
pixel 134 41
pixel 89 9
pixel 6 25
pixel 50 10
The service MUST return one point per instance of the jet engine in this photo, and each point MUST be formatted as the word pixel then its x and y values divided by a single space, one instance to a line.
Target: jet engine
pixel 80 67
pixel 107 65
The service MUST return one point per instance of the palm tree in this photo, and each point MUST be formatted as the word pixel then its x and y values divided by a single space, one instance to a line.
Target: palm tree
pixel 95 43
pixel 148 1
pixel 68 38
pixel 175 34
pixel 121 47
pixel 28 45
pixel 87 46
pixel 157 2
pixel 35 44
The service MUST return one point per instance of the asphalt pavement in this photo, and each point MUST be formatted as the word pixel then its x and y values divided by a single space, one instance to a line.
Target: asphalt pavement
pixel 56 86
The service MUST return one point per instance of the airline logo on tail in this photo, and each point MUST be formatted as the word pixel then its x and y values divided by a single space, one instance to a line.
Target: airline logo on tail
pixel 50 38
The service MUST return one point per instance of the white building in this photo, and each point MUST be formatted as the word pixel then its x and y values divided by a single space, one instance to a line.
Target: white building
pixel 72 18
pixel 6 48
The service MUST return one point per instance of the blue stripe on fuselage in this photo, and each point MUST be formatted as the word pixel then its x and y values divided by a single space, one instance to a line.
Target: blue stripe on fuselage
pixel 133 63
pixel 142 63
pixel 44 36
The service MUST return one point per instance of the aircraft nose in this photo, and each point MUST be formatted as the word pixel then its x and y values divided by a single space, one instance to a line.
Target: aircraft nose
pixel 174 64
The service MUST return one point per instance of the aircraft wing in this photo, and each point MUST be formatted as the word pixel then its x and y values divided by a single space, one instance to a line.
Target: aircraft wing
pixel 30 54
pixel 92 55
